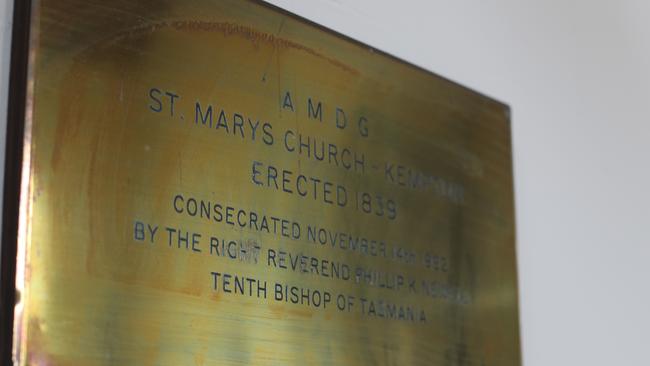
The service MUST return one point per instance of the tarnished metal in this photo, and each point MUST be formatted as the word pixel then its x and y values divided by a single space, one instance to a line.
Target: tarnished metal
pixel 220 182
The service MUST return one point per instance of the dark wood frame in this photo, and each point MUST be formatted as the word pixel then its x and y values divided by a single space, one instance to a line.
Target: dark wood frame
pixel 12 176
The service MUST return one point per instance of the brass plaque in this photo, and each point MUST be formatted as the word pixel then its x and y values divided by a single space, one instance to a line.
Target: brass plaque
pixel 223 183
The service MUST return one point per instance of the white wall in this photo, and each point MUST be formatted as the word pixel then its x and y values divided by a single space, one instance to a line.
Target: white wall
pixel 6 22
pixel 577 76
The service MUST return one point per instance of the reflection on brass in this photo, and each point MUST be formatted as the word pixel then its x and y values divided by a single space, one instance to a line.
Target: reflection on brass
pixel 222 183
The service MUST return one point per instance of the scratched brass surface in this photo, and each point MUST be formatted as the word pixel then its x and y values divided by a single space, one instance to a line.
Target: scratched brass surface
pixel 106 154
